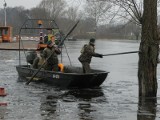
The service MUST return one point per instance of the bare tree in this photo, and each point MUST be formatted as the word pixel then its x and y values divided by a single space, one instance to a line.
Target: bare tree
pixel 39 13
pixel 54 7
pixel 136 30
pixel 149 49
pixel 72 13
pixel 96 10
pixel 145 14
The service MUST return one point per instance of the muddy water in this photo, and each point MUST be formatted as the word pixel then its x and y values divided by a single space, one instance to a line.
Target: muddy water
pixel 116 99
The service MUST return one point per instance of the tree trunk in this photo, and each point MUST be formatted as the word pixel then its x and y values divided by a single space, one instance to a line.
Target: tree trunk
pixel 149 49
pixel 149 106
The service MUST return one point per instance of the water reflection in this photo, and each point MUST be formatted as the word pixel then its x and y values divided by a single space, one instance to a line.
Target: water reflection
pixel 87 101
pixel 3 111
pixel 147 109
pixel 85 111
pixel 85 94
pixel 48 107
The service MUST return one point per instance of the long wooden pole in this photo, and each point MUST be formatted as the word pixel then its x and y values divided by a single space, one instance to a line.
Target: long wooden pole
pixel 121 53
pixel 51 54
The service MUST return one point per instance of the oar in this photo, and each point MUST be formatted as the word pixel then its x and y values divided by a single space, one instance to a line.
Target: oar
pixel 121 53
pixel 51 54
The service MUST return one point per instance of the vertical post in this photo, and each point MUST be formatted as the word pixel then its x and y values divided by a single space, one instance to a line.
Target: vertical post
pixel 5 15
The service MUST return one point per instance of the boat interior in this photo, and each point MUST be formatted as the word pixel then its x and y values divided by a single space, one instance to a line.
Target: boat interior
pixel 70 69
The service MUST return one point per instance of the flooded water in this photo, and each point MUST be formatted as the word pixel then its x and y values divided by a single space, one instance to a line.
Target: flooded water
pixel 116 99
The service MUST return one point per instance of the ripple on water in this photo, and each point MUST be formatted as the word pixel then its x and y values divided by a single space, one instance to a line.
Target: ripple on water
pixel 116 99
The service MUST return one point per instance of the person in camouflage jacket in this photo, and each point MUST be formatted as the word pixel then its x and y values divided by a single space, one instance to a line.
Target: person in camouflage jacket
pixel 52 62
pixel 39 60
pixel 87 52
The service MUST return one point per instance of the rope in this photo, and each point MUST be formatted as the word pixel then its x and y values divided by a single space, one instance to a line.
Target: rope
pixel 68 55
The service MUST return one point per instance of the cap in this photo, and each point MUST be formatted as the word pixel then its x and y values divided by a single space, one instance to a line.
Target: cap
pixel 92 40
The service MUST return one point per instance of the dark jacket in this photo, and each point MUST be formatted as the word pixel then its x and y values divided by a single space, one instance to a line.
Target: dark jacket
pixel 38 61
pixel 53 59
pixel 86 53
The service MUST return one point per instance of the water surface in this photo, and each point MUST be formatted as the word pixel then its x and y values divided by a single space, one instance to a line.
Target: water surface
pixel 116 99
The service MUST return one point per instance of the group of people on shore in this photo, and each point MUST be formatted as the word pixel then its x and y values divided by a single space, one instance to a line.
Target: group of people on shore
pixel 49 56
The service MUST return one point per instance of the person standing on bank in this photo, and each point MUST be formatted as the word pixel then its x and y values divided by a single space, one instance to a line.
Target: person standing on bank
pixel 52 62
pixel 87 52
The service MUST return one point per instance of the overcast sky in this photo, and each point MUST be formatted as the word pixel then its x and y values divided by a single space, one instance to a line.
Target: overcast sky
pixel 32 3
pixel 26 3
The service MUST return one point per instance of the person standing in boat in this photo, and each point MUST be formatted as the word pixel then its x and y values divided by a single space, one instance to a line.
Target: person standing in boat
pixel 87 52
pixel 52 62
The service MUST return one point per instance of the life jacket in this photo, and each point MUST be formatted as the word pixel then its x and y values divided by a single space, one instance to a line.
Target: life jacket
pixel 61 67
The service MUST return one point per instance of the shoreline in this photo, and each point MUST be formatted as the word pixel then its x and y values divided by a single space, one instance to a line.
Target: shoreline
pixel 15 45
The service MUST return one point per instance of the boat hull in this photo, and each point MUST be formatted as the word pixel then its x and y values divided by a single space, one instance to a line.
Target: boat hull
pixel 72 77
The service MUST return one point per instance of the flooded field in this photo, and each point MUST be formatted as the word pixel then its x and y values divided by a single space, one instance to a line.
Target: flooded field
pixel 116 99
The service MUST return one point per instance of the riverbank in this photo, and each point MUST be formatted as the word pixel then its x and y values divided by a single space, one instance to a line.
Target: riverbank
pixel 15 45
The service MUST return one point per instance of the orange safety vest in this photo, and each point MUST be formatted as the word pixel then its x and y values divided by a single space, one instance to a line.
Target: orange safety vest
pixel 61 66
